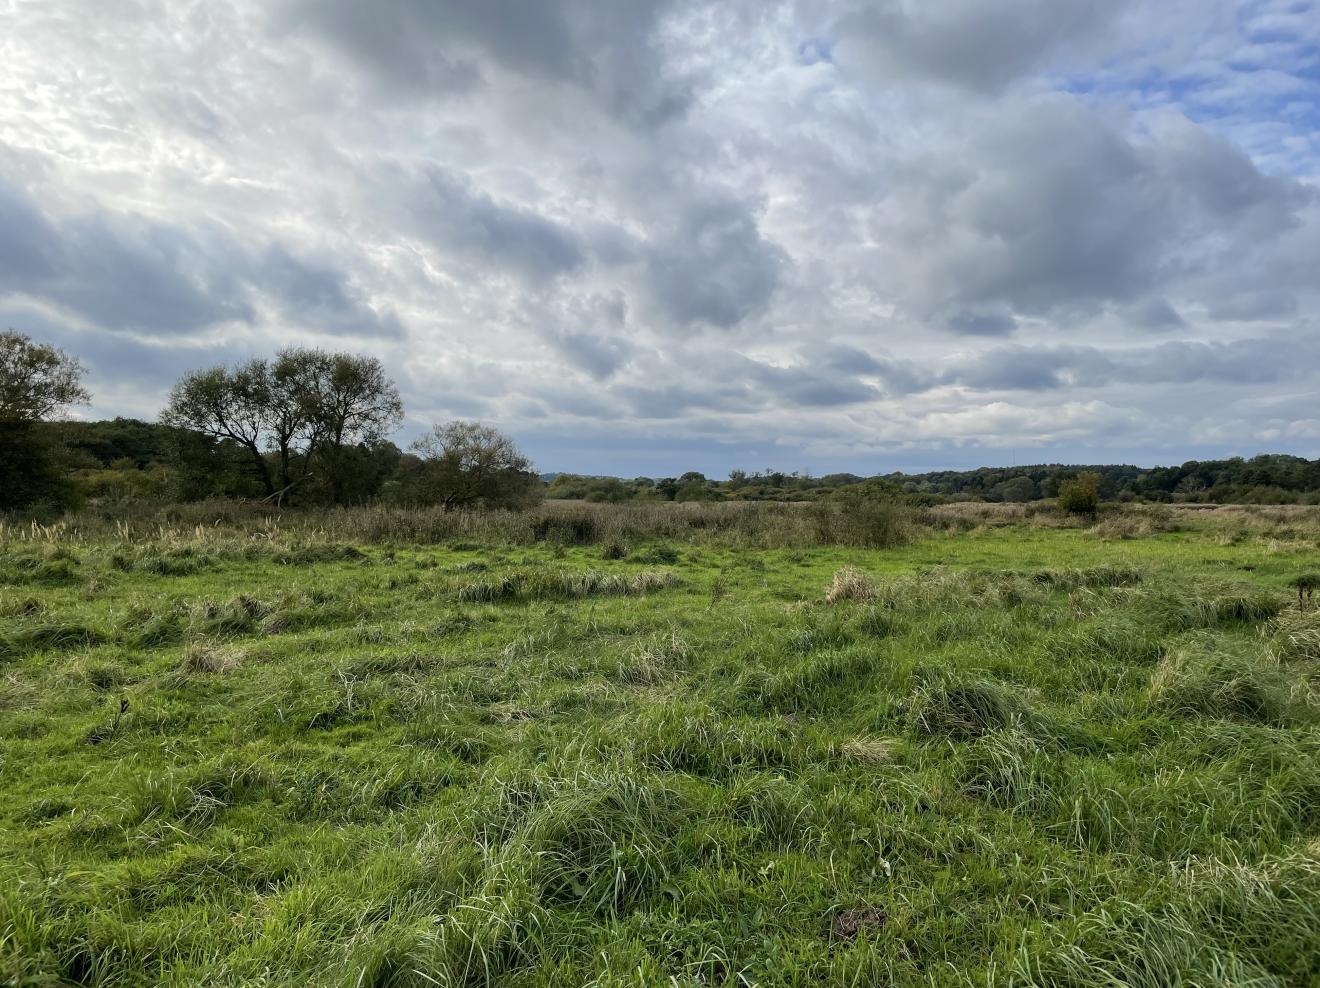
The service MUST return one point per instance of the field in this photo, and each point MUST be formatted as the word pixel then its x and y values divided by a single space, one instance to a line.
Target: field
pixel 606 747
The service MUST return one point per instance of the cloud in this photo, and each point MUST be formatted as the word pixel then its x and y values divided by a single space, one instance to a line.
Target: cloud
pixel 449 211
pixel 128 273
pixel 714 266
pixel 976 46
pixel 592 334
pixel 1264 360
pixel 970 323
pixel 1050 208
pixel 446 47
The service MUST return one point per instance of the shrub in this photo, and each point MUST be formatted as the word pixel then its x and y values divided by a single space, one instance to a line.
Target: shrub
pixel 1080 495
pixel 1306 585
pixel 863 522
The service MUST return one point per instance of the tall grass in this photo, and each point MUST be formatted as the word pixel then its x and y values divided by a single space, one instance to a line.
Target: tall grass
pixel 758 524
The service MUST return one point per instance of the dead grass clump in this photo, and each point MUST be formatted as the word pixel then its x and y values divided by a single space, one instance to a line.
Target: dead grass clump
pixel 850 584
pixel 1117 527
pixel 210 657
pixel 868 751
pixel 1296 636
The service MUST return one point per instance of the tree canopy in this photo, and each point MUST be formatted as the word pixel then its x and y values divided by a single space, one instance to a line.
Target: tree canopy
pixel 37 381
pixel 467 463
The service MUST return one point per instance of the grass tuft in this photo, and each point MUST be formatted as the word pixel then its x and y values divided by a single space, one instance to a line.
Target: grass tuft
pixel 850 584
pixel 965 710
pixel 1194 682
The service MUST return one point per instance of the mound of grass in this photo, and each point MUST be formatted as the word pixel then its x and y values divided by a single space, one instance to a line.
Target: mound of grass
pixel 1296 636
pixel 1210 607
pixel 965 710
pixel 850 584
pixel 55 636
pixel 210 657
pixel 1194 682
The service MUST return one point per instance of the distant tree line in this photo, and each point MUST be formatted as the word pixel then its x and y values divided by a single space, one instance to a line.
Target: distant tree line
pixel 311 428
pixel 1267 479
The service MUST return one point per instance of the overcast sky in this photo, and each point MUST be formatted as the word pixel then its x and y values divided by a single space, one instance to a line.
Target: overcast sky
pixel 645 237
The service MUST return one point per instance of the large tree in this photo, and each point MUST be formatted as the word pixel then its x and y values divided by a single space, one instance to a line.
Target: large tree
pixel 37 382
pixel 296 423
pixel 234 405
pixel 355 406
pixel 315 413
pixel 467 463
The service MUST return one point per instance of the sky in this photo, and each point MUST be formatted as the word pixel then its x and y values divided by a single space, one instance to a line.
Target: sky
pixel 648 236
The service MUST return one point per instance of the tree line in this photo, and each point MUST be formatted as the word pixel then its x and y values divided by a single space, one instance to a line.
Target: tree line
pixel 308 427
pixel 1272 478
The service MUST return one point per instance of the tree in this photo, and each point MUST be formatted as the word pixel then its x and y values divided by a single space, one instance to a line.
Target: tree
pixel 1016 489
pixel 37 382
pixel 313 411
pixel 296 422
pixel 467 463
pixel 236 405
pixel 1080 495
pixel 356 405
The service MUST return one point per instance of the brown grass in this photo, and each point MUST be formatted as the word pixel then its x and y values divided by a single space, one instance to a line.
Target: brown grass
pixel 850 584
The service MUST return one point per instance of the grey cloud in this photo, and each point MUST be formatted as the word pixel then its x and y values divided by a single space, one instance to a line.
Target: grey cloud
pixel 1051 210
pixel 715 267
pixel 803 385
pixel 592 334
pixel 28 243
pixel 1254 306
pixel 670 401
pixel 450 212
pixel 971 323
pixel 900 377
pixel 128 273
pixel 1250 361
pixel 436 47
pixel 318 295
pixel 119 365
pixel 1266 360
pixel 967 43
pixel 1025 368
pixel 119 271
pixel 1156 314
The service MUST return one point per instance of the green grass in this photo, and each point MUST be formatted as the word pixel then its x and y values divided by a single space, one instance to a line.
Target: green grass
pixel 1017 755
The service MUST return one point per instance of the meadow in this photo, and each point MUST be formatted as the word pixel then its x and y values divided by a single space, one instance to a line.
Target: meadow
pixel 978 745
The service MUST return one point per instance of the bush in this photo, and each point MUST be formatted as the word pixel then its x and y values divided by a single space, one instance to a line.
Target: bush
pixel 863 522
pixel 1080 495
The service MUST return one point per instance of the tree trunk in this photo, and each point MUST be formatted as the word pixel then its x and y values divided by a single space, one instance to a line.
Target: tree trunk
pixel 263 469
